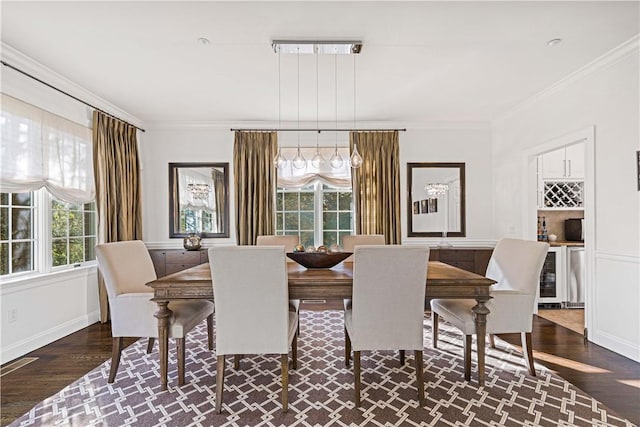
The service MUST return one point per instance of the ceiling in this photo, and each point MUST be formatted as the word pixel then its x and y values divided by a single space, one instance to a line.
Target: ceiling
pixel 420 61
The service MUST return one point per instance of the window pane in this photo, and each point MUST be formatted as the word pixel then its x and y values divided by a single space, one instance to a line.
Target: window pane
pixel 22 258
pixel 4 258
pixel 291 221
pixel 76 250
pixel 91 206
pixel 344 201
pixel 306 220
pixel 279 203
pixel 329 221
pixel 291 201
pixel 4 223
pixel 59 252
pixel 306 238
pixel 278 221
pixel 329 238
pixel 342 234
pixel 75 223
pixel 90 223
pixel 345 220
pixel 21 226
pixel 330 202
pixel 4 198
pixel 306 201
pixel 21 199
pixel 59 222
pixel 89 248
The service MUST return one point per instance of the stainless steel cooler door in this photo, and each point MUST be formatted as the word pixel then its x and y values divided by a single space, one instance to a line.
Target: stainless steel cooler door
pixel 575 279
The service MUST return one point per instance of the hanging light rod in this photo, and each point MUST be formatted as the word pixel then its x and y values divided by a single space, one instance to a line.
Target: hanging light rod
pixel 317 130
pixel 329 47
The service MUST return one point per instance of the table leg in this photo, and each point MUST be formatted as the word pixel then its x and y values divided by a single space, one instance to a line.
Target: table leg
pixel 480 312
pixel 163 315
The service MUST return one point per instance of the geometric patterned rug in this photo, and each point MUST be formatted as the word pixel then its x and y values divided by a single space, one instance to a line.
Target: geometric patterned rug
pixel 321 389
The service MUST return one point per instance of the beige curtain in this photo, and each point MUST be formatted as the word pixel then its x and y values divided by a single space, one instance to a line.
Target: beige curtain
pixel 254 179
pixel 376 184
pixel 118 197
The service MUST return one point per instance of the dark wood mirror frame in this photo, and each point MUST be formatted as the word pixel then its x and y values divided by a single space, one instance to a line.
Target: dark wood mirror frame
pixel 416 177
pixel 174 200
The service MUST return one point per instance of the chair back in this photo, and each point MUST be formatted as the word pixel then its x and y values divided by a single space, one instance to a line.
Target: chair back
pixel 516 264
pixel 289 242
pixel 388 297
pixel 350 242
pixel 251 297
pixel 126 267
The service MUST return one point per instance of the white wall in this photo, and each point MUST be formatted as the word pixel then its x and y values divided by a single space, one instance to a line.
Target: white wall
pixel 199 143
pixel 605 94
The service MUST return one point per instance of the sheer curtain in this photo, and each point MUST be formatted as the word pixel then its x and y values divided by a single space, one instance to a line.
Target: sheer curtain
pixel 118 193
pixel 255 184
pixel 376 184
pixel 40 149
pixel 290 177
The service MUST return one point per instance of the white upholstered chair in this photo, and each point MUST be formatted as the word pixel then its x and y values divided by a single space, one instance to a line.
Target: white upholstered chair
pixel 350 242
pixel 251 294
pixel 515 265
pixel 387 306
pixel 126 268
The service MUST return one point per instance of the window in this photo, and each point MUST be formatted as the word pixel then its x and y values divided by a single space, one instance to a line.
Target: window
pixel 17 241
pixel 319 214
pixel 73 233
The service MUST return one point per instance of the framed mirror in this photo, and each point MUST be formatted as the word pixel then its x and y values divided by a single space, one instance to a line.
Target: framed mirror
pixel 199 199
pixel 436 200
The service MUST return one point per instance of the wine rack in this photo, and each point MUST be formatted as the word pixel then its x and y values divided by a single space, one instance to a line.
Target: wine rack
pixel 563 194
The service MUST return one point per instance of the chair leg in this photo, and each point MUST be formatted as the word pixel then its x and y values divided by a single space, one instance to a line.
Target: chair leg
pixel 236 361
pixel 356 376
pixel 285 382
pixel 116 350
pixel 347 348
pixel 527 349
pixel 419 376
pixel 467 357
pixel 180 344
pixel 294 352
pixel 434 322
pixel 401 354
pixel 150 343
pixel 210 331
pixel 492 340
pixel 219 383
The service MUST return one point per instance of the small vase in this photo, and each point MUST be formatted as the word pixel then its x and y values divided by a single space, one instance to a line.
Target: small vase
pixel 192 242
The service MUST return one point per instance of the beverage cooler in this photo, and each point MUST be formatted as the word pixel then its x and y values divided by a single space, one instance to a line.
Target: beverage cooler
pixel 552 280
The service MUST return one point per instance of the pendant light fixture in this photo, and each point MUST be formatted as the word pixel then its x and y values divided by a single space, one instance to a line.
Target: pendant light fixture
pixel 356 158
pixel 336 160
pixel 317 161
pixel 279 161
pixel 299 161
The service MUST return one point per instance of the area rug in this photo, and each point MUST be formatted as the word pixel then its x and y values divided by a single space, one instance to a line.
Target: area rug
pixel 321 389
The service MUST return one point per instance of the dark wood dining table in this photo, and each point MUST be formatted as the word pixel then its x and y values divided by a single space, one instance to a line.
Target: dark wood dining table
pixel 443 281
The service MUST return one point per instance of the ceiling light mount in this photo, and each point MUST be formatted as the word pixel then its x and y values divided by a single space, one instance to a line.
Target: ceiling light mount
pixel 554 42
pixel 346 47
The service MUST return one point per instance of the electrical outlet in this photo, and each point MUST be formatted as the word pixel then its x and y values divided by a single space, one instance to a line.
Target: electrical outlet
pixel 12 315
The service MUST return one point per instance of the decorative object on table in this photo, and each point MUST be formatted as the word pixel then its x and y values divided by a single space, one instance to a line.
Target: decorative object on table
pixel 322 249
pixel 192 242
pixel 298 248
pixel 553 237
pixel 310 249
pixel 426 183
pixel 318 259
pixel 335 248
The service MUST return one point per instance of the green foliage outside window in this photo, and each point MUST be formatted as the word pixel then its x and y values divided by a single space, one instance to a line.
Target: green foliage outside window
pixel 73 232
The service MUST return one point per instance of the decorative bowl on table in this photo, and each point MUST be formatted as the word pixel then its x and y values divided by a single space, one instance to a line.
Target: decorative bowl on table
pixel 318 259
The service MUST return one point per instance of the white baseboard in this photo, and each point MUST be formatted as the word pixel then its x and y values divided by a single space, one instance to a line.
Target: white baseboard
pixel 613 343
pixel 29 344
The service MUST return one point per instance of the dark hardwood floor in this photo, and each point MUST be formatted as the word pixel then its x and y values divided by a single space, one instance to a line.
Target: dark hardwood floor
pixel 609 377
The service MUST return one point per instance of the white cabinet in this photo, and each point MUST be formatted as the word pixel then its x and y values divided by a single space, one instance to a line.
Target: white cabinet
pixel 565 163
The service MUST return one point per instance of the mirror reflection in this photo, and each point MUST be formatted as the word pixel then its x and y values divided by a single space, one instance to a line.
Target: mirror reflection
pixel 198 199
pixel 436 199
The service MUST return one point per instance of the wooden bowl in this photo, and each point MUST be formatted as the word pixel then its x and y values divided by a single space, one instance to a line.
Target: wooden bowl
pixel 318 259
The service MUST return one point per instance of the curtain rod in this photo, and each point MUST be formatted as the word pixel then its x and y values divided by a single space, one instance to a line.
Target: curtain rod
pixel 68 94
pixel 317 130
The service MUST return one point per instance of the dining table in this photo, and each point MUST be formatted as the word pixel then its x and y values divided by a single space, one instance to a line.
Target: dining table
pixel 443 281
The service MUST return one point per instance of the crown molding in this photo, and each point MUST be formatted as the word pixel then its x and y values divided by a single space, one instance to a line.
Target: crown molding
pixel 29 65
pixel 619 52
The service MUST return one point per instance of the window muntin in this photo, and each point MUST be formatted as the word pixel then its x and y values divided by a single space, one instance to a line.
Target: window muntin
pixel 17 233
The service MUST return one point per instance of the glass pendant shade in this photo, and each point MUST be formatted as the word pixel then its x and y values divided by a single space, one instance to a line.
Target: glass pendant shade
pixel 279 161
pixel 336 160
pixel 317 161
pixel 299 161
pixel 356 158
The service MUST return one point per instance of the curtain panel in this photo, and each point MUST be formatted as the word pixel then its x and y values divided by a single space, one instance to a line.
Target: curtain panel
pixel 40 149
pixel 254 178
pixel 118 187
pixel 376 184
